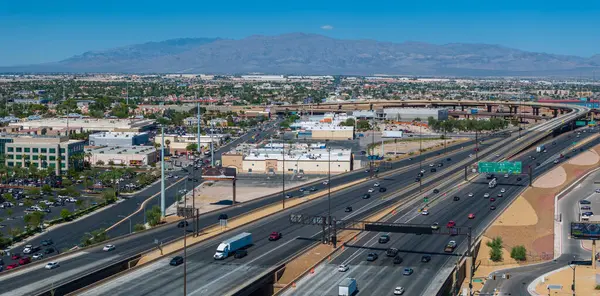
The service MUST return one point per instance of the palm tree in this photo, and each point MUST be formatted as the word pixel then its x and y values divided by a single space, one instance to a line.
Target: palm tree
pixel 168 144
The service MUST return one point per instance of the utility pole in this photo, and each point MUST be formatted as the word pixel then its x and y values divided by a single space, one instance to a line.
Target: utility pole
pixel 198 127
pixel 162 172
pixel 372 148
pixel 212 148
pixel 185 246
pixel 329 184
pixel 283 174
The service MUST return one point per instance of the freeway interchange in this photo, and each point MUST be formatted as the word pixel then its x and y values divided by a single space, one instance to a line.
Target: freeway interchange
pixel 206 276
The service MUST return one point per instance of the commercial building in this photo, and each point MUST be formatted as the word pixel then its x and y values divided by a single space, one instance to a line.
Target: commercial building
pixel 321 127
pixel 410 114
pixel 89 124
pixel 178 143
pixel 119 139
pixel 126 156
pixel 299 161
pixel 58 153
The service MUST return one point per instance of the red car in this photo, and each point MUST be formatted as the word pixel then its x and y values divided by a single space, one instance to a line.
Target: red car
pixel 471 216
pixel 24 260
pixel 451 224
pixel 274 236
pixel 11 266
pixel 492 199
pixel 16 256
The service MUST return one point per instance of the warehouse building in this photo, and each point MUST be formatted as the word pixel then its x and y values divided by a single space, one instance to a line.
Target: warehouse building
pixel 410 114
pixel 119 139
pixel 125 156
pixel 58 153
pixel 299 161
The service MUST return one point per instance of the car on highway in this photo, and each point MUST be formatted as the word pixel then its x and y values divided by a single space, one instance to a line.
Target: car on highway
pixel 343 267
pixel 597 190
pixel 585 202
pixel 586 208
pixel 398 291
pixel 182 224
pixel 313 189
pixel 499 195
pixel 24 260
pixel 425 258
pixel 240 254
pixel 433 170
pixel 288 195
pixel 391 252
pixel 486 195
pixel 470 194
pixel 108 248
pixel 505 175
pixel 348 209
pixel 384 238
pixel 49 251
pixel 417 179
pixel 52 265
pixel 448 159
pixel 422 171
pixel 503 190
pixel 302 189
pixel 372 257
pixel 397 259
pixel 440 165
pixel 451 224
pixel 177 260
pixel 37 256
pixel 456 198
pixel 471 216
pixel 11 266
pixel 325 182
pixel 371 190
pixel 431 165
pixel 436 191
pixel 366 196
pixel 492 207
pixel 407 271
pixel 47 242
pixel 493 199
pixel 519 179
pixel 435 226
pixel 376 184
pixel 223 217
pixel 275 236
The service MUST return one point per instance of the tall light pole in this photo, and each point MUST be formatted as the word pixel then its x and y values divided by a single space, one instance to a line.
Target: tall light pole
pixel 185 246
pixel 212 148
pixel 198 127
pixel 283 173
pixel 573 266
pixel 162 172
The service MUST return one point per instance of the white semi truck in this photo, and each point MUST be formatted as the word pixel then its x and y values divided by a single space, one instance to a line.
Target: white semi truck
pixel 229 246
pixel 347 287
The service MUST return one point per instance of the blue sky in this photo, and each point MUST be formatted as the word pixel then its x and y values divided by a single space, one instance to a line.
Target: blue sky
pixel 34 31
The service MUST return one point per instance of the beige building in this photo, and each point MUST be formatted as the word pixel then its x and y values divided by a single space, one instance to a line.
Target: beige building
pixel 123 156
pixel 58 153
pixel 177 144
pixel 307 161
pixel 89 124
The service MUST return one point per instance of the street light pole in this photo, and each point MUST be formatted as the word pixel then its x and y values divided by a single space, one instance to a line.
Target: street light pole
pixel 185 246
pixel 283 174
pixel 162 172
pixel 573 266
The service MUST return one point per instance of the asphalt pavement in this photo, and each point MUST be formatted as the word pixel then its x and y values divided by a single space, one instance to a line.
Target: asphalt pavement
pixel 382 276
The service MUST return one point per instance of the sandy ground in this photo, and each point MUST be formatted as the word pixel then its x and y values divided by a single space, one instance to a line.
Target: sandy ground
pixel 520 213
pixel 484 267
pixel 584 285
pixel 554 178
pixel 405 147
pixel 586 158
pixel 212 192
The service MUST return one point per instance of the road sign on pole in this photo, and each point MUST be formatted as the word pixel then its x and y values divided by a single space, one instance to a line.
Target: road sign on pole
pixel 500 167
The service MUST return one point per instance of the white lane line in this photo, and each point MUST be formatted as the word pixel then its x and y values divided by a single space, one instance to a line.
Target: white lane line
pixel 241 267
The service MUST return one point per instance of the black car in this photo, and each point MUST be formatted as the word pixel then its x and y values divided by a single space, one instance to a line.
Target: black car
pixel 384 239
pixel 456 198
pixel 348 209
pixel 448 159
pixel 240 254
pixel 223 217
pixel 436 191
pixel 519 179
pixel 382 189
pixel 492 207
pixel 420 175
pixel 397 260
pixel 313 189
pixel 537 164
pixel 425 258
pixel 417 179
pixel 182 224
pixel 440 165
pixel 177 260
pixel 49 250
pixel 585 202
pixel 47 242
pixel 391 252
pixel 372 257
pixel 433 170
pixel 366 196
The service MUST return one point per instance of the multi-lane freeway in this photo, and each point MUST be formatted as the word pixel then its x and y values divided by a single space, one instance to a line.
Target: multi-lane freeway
pixel 382 276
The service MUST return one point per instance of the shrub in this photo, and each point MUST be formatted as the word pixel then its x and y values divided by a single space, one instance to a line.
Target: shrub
pixel 518 253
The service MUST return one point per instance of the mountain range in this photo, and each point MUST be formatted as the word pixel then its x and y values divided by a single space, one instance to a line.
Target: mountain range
pixel 300 53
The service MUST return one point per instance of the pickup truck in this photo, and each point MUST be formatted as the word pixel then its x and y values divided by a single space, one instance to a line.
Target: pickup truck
pixel 450 247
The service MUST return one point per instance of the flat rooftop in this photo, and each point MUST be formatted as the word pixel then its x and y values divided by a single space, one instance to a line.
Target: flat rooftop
pixel 117 135
pixel 107 123
pixel 121 150
pixel 300 155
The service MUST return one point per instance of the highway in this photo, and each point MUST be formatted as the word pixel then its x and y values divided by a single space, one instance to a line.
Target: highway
pixel 94 259
pixel 207 276
pixel 382 276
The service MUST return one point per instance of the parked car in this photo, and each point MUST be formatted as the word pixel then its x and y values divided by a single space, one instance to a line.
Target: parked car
pixel 38 256
pixel 24 260
pixel 11 266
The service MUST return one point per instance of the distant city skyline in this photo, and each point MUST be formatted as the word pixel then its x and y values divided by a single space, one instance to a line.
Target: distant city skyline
pixel 40 31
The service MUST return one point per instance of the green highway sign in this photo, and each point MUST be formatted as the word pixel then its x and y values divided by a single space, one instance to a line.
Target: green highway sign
pixel 425 200
pixel 580 123
pixel 592 123
pixel 478 280
pixel 500 167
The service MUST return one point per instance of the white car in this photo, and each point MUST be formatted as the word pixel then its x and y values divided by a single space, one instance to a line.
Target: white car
pixel 598 190
pixel 376 184
pixel 502 190
pixel 505 175
pixel 424 212
pixel 325 182
pixel 431 164
pixel 486 195
pixel 556 161
pixel 38 256
pixel 423 171
pixel 52 265
pixel 399 291
pixel 470 194
pixel 371 190
pixel 27 249
pixel 343 268
pixel 108 248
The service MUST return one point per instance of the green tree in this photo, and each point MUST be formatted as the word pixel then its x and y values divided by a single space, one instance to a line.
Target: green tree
pixel 9 213
pixel 363 125
pixel 65 214
pixel 33 219
pixel 47 189
pixel 153 216
pixel 495 249
pixel 138 227
pixel 519 253
pixel 33 192
pixel 348 122
pixel 8 197
pixel 28 203
pixel 109 196
pixel 191 147
pixel 79 203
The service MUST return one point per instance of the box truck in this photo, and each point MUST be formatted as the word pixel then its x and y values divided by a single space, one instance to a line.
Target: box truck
pixel 347 287
pixel 540 148
pixel 229 246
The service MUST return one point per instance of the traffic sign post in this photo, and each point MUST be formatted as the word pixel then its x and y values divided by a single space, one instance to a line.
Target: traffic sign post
pixel 500 167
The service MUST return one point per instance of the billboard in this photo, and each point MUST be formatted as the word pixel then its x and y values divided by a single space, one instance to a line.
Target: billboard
pixel 585 230
pixel 392 134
